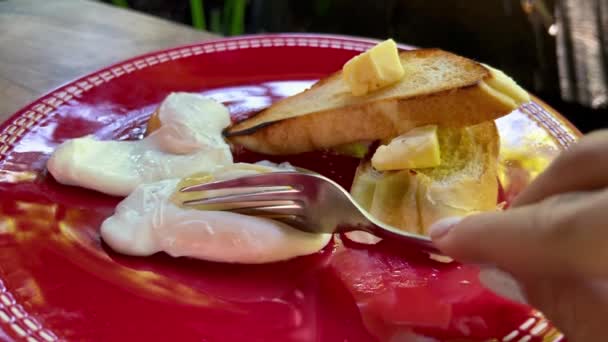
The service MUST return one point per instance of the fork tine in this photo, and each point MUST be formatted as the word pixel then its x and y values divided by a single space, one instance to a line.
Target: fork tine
pixel 264 179
pixel 264 194
pixel 236 205
pixel 274 211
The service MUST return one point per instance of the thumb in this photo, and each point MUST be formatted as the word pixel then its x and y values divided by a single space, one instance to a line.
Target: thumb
pixel 564 235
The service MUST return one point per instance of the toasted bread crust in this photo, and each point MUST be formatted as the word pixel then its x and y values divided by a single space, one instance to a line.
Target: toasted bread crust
pixel 374 120
pixel 327 115
pixel 337 94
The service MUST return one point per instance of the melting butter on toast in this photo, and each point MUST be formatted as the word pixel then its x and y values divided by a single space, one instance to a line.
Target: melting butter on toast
pixel 438 88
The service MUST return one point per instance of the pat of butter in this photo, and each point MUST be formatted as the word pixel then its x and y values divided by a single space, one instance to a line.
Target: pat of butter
pixel 418 148
pixel 374 69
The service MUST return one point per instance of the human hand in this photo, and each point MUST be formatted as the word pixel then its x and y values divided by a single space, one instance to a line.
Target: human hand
pixel 553 240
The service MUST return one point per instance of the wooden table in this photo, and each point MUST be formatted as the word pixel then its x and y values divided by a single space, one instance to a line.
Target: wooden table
pixel 44 44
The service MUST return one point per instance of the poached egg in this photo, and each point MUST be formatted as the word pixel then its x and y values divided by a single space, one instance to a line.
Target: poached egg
pixel 149 221
pixel 189 140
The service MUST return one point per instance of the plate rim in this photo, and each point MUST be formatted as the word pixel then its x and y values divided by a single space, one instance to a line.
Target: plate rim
pixel 356 43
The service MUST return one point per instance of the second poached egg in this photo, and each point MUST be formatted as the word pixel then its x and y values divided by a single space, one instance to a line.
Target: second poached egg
pixel 148 221
pixel 189 140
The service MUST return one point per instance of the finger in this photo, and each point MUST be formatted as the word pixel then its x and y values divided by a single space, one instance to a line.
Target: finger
pixel 584 167
pixel 562 235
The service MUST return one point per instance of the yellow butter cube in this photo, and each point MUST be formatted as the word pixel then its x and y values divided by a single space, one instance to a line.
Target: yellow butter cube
pixel 418 148
pixel 374 69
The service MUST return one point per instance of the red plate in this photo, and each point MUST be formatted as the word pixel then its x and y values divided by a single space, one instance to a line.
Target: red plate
pixel 58 281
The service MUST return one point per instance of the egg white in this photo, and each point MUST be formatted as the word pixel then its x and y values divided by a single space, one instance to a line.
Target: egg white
pixel 147 222
pixel 188 141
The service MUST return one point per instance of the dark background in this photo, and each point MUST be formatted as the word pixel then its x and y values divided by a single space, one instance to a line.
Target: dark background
pixel 512 35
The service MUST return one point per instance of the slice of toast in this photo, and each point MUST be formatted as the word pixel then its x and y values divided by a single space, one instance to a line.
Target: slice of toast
pixel 466 182
pixel 438 88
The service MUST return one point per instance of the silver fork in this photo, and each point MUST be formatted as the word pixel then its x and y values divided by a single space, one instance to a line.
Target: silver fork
pixel 304 200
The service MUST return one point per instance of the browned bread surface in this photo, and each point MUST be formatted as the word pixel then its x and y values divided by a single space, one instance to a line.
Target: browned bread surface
pixel 439 88
pixel 466 182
